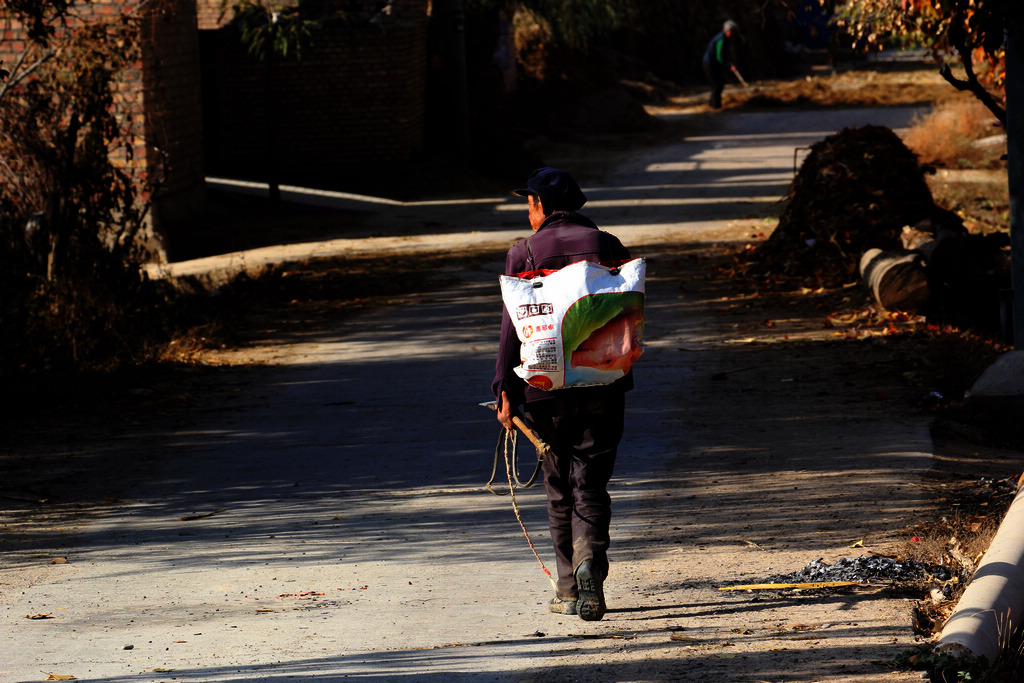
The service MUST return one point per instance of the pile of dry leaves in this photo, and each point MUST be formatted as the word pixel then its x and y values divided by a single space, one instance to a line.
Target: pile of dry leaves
pixel 855 191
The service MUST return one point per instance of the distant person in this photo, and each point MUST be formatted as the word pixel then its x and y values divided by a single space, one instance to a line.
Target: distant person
pixel 720 59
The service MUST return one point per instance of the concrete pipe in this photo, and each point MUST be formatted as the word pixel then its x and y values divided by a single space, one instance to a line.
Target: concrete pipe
pixel 992 606
pixel 897 279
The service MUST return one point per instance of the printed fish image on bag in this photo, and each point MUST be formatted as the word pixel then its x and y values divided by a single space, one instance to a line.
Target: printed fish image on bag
pixel 579 326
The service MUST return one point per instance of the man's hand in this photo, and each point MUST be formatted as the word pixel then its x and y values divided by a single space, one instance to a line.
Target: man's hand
pixel 505 412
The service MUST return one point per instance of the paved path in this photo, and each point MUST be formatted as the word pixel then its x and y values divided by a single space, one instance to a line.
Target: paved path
pixel 323 516
pixel 737 169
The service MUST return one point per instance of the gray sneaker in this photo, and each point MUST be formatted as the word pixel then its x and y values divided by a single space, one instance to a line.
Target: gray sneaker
pixel 591 603
pixel 559 606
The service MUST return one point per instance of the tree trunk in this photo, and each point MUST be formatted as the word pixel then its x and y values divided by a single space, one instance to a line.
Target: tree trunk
pixel 1015 157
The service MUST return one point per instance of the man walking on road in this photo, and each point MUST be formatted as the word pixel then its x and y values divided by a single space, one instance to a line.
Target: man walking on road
pixel 719 59
pixel 583 425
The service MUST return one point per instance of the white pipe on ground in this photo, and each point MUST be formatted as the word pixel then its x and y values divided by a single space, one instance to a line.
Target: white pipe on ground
pixel 992 606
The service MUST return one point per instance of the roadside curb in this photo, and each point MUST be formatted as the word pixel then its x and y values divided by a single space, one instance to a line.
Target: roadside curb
pixel 992 607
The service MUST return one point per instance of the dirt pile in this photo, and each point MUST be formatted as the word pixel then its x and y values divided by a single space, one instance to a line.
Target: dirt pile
pixel 855 191
pixel 861 210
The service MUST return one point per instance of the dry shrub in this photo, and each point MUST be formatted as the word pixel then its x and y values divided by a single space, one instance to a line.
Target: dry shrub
pixel 948 135
pixel 74 296
pixel 957 542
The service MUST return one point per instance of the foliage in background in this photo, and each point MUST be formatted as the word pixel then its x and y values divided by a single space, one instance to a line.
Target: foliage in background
pixel 71 210
pixel 637 38
pixel 41 18
pixel 575 23
pixel 269 30
pixel 967 32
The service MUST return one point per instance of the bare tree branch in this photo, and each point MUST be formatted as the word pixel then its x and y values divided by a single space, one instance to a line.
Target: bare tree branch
pixel 11 76
pixel 957 35
pixel 17 77
pixel 975 88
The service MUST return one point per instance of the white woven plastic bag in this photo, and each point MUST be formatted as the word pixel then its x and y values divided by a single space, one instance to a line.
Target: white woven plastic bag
pixel 579 326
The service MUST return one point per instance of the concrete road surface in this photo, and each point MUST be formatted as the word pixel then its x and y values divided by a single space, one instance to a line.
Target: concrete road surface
pixel 322 515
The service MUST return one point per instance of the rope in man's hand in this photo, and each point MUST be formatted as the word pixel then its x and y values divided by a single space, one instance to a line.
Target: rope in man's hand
pixel 515 505
pixel 508 441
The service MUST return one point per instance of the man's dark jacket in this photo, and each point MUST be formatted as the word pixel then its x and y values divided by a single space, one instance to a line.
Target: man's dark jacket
pixel 565 237
pixel 720 53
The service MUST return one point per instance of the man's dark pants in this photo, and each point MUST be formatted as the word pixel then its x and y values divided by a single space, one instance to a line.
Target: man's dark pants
pixel 716 77
pixel 584 435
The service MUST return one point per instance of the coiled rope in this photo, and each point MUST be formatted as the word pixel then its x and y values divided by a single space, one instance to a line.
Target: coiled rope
pixel 509 437
pixel 506 437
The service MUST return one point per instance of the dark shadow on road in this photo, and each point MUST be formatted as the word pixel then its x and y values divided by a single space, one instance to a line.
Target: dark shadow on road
pixel 390 450
pixel 692 658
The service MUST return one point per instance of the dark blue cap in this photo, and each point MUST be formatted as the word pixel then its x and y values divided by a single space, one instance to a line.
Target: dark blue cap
pixel 556 189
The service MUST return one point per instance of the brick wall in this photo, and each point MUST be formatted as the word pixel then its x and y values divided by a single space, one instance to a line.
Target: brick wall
pixel 208 14
pixel 173 114
pixel 161 96
pixel 354 102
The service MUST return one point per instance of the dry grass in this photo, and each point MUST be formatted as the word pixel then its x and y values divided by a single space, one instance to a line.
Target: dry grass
pixel 949 136
pixel 957 540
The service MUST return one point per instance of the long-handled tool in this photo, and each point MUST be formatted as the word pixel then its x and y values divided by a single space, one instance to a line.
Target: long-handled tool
pixel 543 450
pixel 739 77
